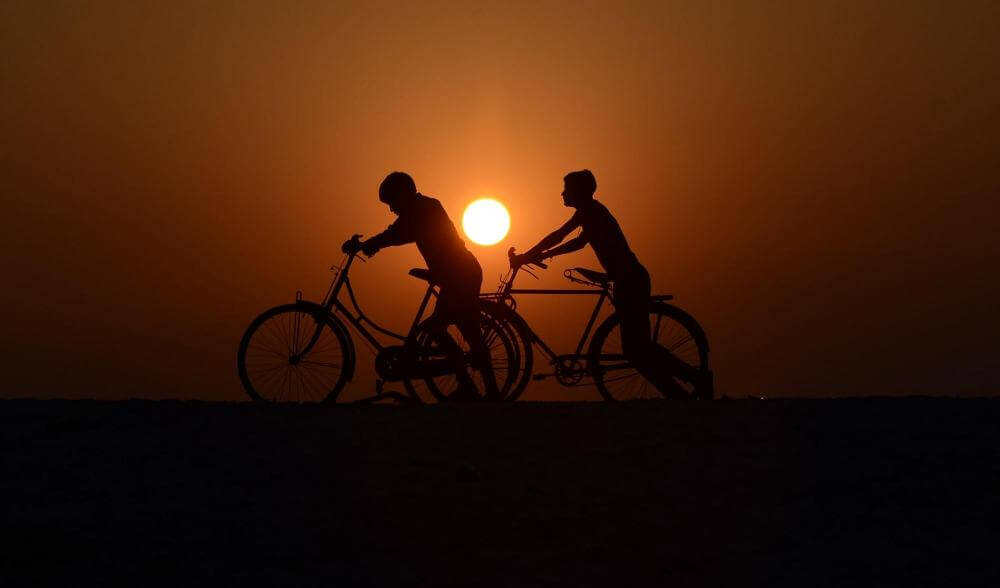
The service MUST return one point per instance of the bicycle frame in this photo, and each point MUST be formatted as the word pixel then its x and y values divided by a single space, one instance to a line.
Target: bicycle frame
pixel 333 305
pixel 507 291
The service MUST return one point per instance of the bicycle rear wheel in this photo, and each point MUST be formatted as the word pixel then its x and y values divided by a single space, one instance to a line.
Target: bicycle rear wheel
pixel 294 353
pixel 671 328
pixel 521 338
pixel 430 348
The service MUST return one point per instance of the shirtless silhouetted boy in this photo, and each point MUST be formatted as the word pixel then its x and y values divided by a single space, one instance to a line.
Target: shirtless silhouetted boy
pixel 422 220
pixel 631 282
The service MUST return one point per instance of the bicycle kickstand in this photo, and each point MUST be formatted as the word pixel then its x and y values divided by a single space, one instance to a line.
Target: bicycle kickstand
pixel 382 394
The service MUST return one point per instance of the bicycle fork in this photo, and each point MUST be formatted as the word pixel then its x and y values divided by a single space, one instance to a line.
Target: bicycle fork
pixel 297 356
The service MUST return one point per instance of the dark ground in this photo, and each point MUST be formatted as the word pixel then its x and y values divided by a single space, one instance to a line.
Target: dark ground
pixel 819 492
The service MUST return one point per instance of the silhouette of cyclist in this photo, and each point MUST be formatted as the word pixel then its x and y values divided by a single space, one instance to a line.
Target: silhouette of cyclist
pixel 631 283
pixel 422 220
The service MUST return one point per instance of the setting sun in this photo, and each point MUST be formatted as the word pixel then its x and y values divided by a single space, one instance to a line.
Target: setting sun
pixel 485 221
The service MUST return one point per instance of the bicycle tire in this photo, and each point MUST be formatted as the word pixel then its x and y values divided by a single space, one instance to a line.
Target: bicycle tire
pixel 672 328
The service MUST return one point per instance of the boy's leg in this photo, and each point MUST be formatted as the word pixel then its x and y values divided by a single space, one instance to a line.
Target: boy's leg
pixel 458 299
pixel 653 361
pixel 439 326
pixel 469 327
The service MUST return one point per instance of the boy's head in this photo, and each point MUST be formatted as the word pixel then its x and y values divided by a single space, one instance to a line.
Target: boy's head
pixel 397 190
pixel 578 187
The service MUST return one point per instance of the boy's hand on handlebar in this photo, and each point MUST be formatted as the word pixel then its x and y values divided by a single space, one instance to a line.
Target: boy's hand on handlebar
pixel 515 259
pixel 351 246
pixel 369 248
pixel 520 260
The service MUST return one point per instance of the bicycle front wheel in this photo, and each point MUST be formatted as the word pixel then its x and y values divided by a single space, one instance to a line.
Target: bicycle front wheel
pixel 670 327
pixel 294 353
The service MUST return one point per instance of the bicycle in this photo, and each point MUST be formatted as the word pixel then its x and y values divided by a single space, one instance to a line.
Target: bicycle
pixel 604 364
pixel 304 352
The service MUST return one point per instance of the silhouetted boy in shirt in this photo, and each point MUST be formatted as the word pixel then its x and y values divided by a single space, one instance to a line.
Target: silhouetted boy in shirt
pixel 422 220
pixel 631 282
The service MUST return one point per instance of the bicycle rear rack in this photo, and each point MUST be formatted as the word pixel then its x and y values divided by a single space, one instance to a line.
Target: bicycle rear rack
pixel 568 274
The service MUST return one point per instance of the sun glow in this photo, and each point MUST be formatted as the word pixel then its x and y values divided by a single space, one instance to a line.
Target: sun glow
pixel 485 221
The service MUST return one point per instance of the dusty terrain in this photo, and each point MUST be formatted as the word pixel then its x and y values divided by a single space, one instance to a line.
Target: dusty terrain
pixel 840 492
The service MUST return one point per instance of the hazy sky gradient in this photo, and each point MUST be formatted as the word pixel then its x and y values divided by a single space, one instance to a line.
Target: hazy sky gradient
pixel 815 182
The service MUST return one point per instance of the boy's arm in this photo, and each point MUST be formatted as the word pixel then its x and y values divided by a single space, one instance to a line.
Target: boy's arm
pixel 574 244
pixel 398 233
pixel 553 238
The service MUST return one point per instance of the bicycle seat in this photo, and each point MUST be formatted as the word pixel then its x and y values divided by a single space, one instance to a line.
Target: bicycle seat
pixel 422 273
pixel 594 276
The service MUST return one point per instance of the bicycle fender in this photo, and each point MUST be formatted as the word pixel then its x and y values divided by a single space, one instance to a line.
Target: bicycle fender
pixel 509 315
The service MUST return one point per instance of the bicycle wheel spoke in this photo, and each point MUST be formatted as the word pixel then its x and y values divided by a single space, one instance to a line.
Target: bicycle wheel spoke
pixel 261 351
pixel 282 332
pixel 295 333
pixel 271 339
pixel 290 386
pixel 679 343
pixel 263 371
pixel 623 376
pixel 316 381
pixel 321 363
pixel 305 390
pixel 272 377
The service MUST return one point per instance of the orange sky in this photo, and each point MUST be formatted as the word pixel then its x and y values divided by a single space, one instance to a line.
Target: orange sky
pixel 815 183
